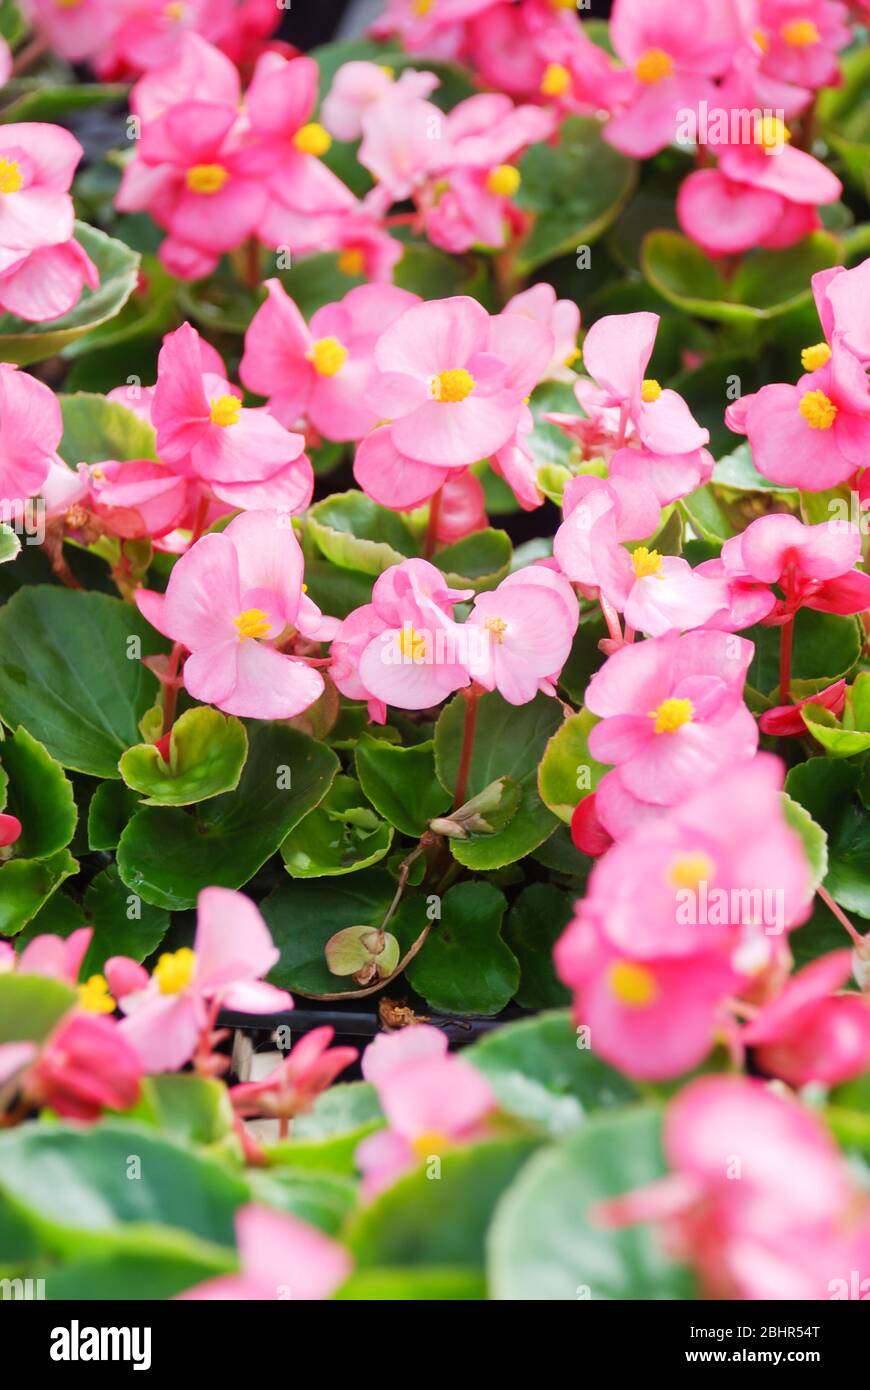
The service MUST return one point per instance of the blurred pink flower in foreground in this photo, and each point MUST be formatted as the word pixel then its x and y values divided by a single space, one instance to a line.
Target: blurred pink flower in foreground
pixel 281 1257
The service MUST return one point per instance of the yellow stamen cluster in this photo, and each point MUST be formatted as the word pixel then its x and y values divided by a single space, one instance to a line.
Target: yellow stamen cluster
pixel 206 178
pixel 771 133
pixel 812 358
pixel 95 997
pixel 430 1144
pixel 11 177
pixel 422 7
pixel 800 33
pixel 556 80
pixel 653 66
pixel 312 139
pixel 503 180
pixel 632 984
pixel 253 622
pixel 818 410
pixel 225 410
pixel 327 356
pixel 761 40
pixel 646 563
pixel 352 261
pixel 573 356
pixel 174 970
pixel 174 11
pixel 412 643
pixel 497 626
pixel 690 870
pixel 671 715
pixel 452 386
pixel 650 390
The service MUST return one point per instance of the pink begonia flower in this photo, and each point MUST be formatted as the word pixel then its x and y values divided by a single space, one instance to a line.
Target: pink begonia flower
pixel 10 830
pixel 786 720
pixel 150 35
pixel 357 86
pixel 248 458
pixel 306 201
pixel 14 1057
pixel 800 39
pixel 813 565
pixel 227 600
pixel 281 1257
pixel 420 1042
pixel 747 602
pixel 232 951
pixel 197 71
pixel 124 976
pixel 30 432
pixel 526 626
pixel 81 30
pixel 462 508
pixel 726 218
pixel 293 1086
pixel 322 371
pixel 415 655
pixel 141 497
pixel 561 316
pixel 759 1199
pixel 84 1067
pixel 673 65
pixel 809 1032
pixel 437 28
pixel 365 248
pixel 843 301
pixel 672 712
pixel 516 463
pixel 431 1099
pixel 59 958
pixel 454 379
pixel 815 435
pixel 598 516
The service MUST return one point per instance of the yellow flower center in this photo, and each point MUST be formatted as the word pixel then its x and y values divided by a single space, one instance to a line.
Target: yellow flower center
pixel 174 11
pixel 390 72
pixel 95 997
pixel 253 622
pixel 564 4
pixel 11 177
pixel 556 80
pixel 671 715
pixel 573 356
pixel 632 984
pixel 412 644
pixel 174 970
pixel 646 563
pixel 690 870
pixel 352 261
pixel 650 390
pixel 206 178
pixel 816 356
pixel 654 65
pixel 226 411
pixel 800 33
pixel 328 356
pixel 761 39
pixel 430 1143
pixel 503 180
pixel 452 386
pixel 818 410
pixel 497 626
pixel 67 4
pixel 771 133
pixel 312 139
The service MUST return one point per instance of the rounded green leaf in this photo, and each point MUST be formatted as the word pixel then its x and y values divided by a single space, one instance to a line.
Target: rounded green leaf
pixel 340 835
pixel 355 533
pixel 207 752
pixel 96 430
pixel 168 855
pixel 536 1252
pixel 70 671
pixel 464 966
pixel 568 772
pixel 401 782
pixel 9 544
pixel 826 647
pixel 123 925
pixel 110 808
pixel 479 561
pixel 39 794
pixel 118 266
pixel 813 838
pixel 26 886
pixel 534 924
pixel 30 1006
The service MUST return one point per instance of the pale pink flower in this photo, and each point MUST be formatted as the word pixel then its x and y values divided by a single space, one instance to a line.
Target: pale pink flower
pixel 292 1087
pixel 30 432
pixel 526 626
pixel 561 316
pixel 281 1257
pixel 357 86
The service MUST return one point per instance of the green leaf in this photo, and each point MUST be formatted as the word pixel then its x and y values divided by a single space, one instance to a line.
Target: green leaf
pixel 162 1263
pixel 303 915
pixel 70 672
pixel 843 738
pixel 168 856
pixel 57 104
pixel 401 782
pixel 479 561
pixel 108 908
pixel 9 544
pixel 737 472
pixel 23 343
pixel 432 1283
pixel 576 188
pixel 826 647
pixel 568 772
pixel 464 966
pixel 83 1188
pixel 509 741
pixel 540 1074
pixel 30 1006
pixel 322 1199
pixel 536 1253
pixel 207 752
pixel 111 806
pixel 27 884
pixel 355 533
pixel 706 515
pixel 767 283
pixel 95 430
pixel 813 837
pixel 826 788
pixel 340 835
pixel 534 924
pixel 195 1109
pixel 39 794
pixel 421 1222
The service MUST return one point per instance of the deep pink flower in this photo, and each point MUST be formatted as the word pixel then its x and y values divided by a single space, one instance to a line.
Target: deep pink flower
pixel 809 1032
pixel 813 565
pixel 10 830
pixel 294 1085
pixel 784 720
pixel 799 40
pixel 281 1257
pixel 232 951
pixel 843 301
pixel 85 1066
pixel 322 371
pixel 30 432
